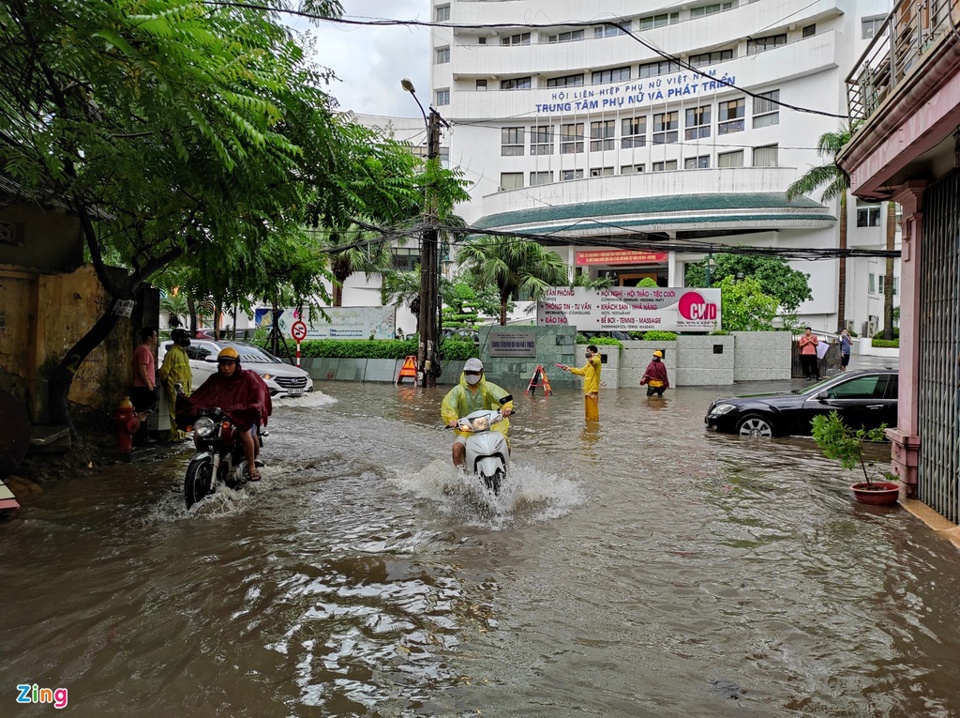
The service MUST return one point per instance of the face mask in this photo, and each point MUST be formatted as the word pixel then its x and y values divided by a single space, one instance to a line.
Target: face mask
pixel 473 379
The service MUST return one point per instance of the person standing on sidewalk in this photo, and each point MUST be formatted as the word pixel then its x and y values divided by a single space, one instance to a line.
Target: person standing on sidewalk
pixel 591 382
pixel 845 345
pixel 808 354
pixel 143 395
pixel 177 378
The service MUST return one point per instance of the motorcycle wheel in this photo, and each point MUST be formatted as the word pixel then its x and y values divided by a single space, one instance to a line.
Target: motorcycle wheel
pixel 493 482
pixel 198 482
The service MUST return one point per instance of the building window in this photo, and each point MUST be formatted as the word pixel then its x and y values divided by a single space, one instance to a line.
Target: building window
pixel 634 132
pixel 566 81
pixel 511 180
pixel 697 123
pixel 868 216
pixel 571 36
pixel 517 83
pixel 711 58
pixel 481 85
pixel 602 134
pixel 697 163
pixel 481 40
pixel 617 74
pixel 521 39
pixel 766 109
pixel 538 178
pixel 668 166
pixel 541 140
pixel 651 21
pixel 880 283
pixel 404 259
pixel 601 171
pixel 766 156
pixel 711 9
pixel 896 285
pixel 666 127
pixel 810 30
pixel 443 96
pixel 609 30
pixel 631 169
pixel 730 159
pixel 761 44
pixel 664 67
pixel 566 175
pixel 571 138
pixel 870 26
pixel 872 283
pixel 443 55
pixel 442 13
pixel 730 117
pixel 11 234
pixel 511 141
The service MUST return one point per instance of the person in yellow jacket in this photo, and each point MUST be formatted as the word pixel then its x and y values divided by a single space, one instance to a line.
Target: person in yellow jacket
pixel 591 382
pixel 176 370
pixel 473 393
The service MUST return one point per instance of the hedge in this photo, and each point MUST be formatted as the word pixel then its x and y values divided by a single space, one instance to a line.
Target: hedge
pixel 885 343
pixel 450 349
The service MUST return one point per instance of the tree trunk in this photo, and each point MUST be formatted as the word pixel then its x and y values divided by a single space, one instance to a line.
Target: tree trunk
pixel 503 310
pixel 842 275
pixel 192 308
pixel 888 279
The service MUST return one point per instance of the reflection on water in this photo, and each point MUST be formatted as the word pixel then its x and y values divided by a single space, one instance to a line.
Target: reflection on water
pixel 638 567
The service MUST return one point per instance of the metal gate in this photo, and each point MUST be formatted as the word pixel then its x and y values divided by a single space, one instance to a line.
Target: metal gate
pixel 939 376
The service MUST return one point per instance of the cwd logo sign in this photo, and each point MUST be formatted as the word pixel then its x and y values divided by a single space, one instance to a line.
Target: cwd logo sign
pixel 693 307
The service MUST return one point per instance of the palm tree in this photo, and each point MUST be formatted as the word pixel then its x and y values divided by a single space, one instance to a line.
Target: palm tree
pixel 375 257
pixel 835 183
pixel 514 266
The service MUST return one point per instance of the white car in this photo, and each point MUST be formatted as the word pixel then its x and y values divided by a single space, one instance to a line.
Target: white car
pixel 283 379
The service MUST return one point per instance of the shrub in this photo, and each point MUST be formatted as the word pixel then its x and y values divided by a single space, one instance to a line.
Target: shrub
pixel 886 343
pixel 657 335
pixel 451 349
pixel 607 341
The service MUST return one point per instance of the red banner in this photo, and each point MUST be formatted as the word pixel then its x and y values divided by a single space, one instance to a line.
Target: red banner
pixel 620 256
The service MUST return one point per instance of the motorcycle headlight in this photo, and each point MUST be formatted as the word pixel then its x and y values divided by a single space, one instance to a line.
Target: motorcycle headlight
pixel 481 423
pixel 204 427
pixel 721 409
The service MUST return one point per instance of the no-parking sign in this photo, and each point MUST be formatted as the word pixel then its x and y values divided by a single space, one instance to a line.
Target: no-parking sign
pixel 299 331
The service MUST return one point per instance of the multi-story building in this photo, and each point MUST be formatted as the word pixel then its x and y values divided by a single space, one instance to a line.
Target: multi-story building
pixel 672 128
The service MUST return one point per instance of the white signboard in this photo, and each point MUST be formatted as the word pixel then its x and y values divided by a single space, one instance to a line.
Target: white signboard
pixel 345 322
pixel 642 309
pixel 512 342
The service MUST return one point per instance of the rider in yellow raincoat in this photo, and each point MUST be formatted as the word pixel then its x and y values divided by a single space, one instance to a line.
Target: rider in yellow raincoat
pixel 473 393
pixel 591 382
pixel 176 370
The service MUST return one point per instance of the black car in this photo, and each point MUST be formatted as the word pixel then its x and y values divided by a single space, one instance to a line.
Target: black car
pixel 862 398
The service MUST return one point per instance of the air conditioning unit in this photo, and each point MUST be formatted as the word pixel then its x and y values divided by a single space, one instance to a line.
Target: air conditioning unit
pixel 848 323
pixel 870 327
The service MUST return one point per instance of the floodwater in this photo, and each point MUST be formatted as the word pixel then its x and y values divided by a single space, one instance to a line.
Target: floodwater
pixel 638 568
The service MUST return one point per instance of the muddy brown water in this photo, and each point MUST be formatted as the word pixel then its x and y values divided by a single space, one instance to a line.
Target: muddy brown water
pixel 641 568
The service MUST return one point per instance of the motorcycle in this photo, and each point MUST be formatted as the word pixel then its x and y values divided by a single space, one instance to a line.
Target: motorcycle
pixel 488 455
pixel 219 457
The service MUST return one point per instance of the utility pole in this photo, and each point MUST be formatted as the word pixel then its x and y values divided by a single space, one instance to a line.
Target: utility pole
pixel 427 365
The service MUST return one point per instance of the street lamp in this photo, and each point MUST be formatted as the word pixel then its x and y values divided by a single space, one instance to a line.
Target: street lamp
pixel 427 366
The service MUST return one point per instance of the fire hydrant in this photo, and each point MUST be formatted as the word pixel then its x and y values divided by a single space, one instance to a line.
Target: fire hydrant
pixel 127 425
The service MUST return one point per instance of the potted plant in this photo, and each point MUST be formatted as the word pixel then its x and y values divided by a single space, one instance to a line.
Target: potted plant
pixel 838 441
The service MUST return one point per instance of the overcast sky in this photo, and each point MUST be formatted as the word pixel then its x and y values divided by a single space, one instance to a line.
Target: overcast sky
pixel 371 61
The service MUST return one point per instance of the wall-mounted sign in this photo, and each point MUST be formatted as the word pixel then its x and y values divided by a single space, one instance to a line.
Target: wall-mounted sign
pixel 504 342
pixel 345 322
pixel 620 256
pixel 631 309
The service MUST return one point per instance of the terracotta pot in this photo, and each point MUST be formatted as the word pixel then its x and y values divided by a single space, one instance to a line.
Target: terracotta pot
pixel 882 493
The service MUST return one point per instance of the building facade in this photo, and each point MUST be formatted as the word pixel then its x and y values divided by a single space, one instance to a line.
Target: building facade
pixel 665 130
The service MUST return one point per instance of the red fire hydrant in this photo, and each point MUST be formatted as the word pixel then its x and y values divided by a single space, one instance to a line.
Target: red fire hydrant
pixel 127 425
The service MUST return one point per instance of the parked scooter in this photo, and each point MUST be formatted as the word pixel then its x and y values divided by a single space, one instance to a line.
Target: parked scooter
pixel 219 457
pixel 488 455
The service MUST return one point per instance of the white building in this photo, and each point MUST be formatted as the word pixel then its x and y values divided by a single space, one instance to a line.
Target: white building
pixel 579 130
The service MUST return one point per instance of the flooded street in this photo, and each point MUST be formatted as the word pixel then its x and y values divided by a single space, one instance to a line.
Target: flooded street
pixel 644 568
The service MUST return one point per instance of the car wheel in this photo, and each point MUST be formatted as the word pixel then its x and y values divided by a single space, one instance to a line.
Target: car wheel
pixel 755 425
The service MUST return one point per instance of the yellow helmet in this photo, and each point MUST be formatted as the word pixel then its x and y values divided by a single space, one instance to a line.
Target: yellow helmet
pixel 228 353
pixel 658 353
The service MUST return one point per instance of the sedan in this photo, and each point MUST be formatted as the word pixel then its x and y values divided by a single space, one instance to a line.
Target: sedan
pixel 861 398
pixel 282 379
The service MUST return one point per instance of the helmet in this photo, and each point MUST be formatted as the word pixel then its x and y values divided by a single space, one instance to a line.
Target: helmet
pixel 473 364
pixel 180 335
pixel 228 353
pixel 658 353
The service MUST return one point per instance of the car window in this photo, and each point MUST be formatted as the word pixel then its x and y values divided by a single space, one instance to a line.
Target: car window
pixel 252 355
pixel 200 350
pixel 893 386
pixel 871 386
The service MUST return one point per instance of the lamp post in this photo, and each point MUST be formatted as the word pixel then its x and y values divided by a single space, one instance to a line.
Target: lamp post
pixel 429 254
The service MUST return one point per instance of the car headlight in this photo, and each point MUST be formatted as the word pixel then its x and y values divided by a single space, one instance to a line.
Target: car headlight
pixel 721 409
pixel 267 377
pixel 204 427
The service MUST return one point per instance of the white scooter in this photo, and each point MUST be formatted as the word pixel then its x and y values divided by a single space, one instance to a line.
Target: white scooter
pixel 488 455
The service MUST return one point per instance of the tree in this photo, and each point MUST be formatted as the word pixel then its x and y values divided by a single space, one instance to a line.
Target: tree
pixel 745 307
pixel 777 279
pixel 513 266
pixel 835 184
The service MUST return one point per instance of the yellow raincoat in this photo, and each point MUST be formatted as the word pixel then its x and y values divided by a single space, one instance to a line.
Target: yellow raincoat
pixel 175 370
pixel 590 373
pixel 462 400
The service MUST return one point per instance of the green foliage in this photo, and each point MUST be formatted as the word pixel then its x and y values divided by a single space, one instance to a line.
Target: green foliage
pixel 451 349
pixel 790 287
pixel 657 335
pixel 745 307
pixel 838 441
pixel 647 282
pixel 829 176
pixel 605 341
pixel 885 343
pixel 582 279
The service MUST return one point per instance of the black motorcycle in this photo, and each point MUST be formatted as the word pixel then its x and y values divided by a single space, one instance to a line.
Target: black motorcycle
pixel 219 457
